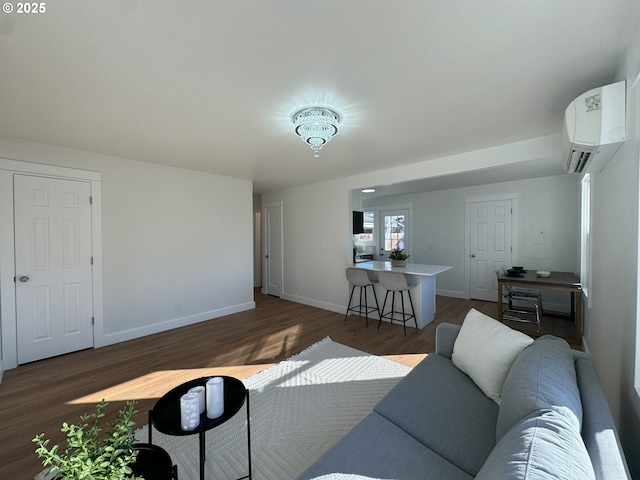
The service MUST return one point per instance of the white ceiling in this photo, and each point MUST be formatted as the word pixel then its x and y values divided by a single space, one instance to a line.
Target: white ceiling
pixel 210 84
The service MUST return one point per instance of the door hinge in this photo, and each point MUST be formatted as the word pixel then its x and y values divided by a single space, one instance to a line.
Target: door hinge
pixel 91 261
pixel 93 320
pixel 90 200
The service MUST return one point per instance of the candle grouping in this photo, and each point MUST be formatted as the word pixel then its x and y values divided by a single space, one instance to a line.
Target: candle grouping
pixel 197 400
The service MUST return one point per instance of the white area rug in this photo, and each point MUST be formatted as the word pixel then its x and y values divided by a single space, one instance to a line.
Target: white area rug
pixel 299 408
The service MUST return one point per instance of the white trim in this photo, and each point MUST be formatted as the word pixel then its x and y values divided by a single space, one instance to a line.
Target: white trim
pixel 139 332
pixel 467 243
pixel 18 166
pixel 451 293
pixel 586 256
pixel 332 307
pixel 8 326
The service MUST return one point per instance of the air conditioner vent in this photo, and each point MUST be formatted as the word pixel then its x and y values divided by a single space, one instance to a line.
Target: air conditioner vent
pixel 577 161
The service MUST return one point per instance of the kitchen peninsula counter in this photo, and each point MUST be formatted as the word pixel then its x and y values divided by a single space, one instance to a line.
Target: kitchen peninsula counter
pixel 424 295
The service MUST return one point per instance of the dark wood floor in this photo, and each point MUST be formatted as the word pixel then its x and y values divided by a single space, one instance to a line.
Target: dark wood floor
pixel 38 397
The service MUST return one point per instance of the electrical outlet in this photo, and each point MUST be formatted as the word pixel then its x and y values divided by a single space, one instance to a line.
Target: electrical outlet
pixel 178 306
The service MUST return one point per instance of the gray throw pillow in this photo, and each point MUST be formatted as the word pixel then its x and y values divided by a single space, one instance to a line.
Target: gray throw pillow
pixel 543 446
pixel 542 376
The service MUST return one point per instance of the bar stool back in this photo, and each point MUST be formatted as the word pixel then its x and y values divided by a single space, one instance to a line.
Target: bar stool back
pixel 360 278
pixel 397 283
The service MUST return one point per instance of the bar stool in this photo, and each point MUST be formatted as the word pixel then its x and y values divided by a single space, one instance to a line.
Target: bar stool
pixel 359 278
pixel 397 283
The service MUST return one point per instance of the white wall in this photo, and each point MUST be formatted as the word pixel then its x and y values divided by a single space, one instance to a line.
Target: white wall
pixel 439 221
pixel 170 236
pixel 612 319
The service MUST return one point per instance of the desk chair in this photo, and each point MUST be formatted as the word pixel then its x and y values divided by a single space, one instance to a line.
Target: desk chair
pixel 522 296
pixel 397 283
pixel 360 278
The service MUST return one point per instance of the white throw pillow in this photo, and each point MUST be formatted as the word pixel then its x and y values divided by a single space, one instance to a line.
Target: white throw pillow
pixel 485 350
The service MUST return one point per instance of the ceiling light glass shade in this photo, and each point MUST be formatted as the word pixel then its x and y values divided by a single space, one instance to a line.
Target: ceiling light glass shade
pixel 316 126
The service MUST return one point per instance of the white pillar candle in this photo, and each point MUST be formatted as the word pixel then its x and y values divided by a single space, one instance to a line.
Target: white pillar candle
pixel 199 390
pixel 215 397
pixel 189 411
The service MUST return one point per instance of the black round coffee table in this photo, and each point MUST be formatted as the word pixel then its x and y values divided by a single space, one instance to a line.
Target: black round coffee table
pixel 165 415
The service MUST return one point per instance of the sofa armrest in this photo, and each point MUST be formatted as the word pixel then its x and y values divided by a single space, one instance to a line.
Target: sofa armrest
pixel 446 334
pixel 598 427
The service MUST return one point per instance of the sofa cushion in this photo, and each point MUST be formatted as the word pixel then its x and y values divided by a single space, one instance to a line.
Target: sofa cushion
pixel 543 376
pixel 443 409
pixel 376 449
pixel 485 350
pixel 544 445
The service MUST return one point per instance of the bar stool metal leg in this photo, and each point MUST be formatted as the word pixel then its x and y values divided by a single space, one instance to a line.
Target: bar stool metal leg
pixel 359 278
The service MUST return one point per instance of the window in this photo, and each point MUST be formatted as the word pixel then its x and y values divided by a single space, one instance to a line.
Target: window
pixel 369 223
pixel 585 237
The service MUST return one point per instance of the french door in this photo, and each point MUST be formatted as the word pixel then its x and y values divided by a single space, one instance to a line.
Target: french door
pixel 394 231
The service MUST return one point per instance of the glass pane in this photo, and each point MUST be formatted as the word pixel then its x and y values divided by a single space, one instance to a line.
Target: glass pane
pixel 368 224
pixel 393 231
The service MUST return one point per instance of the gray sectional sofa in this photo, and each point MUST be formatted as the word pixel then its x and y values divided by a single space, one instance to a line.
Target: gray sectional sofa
pixel 552 421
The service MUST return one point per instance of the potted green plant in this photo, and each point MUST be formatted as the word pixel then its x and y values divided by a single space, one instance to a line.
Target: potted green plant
pixel 93 453
pixel 398 257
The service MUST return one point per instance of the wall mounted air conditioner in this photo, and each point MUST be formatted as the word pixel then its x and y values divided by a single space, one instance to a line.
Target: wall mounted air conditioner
pixel 594 128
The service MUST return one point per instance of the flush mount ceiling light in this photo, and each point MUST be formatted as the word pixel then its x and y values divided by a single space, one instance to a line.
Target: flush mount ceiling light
pixel 316 126
pixel 368 190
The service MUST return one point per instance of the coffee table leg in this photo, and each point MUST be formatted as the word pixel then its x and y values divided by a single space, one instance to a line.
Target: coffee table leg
pixel 202 459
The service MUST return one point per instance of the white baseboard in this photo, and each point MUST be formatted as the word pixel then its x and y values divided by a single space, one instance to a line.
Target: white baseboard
pixel 451 293
pixel 314 303
pixel 110 339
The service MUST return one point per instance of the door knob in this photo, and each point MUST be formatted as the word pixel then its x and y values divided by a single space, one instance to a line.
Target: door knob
pixel 24 279
pixel 473 255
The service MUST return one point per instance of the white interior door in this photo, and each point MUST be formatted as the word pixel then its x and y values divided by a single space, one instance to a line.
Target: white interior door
pixel 490 242
pixel 54 298
pixel 273 250
pixel 394 231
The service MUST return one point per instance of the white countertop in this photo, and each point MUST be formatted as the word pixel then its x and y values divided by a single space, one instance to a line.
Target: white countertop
pixel 410 269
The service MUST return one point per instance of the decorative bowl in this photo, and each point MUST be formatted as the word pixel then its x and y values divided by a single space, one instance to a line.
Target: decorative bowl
pixel 543 273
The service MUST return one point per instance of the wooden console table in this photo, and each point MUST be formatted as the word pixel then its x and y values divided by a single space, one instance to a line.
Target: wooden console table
pixel 560 281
